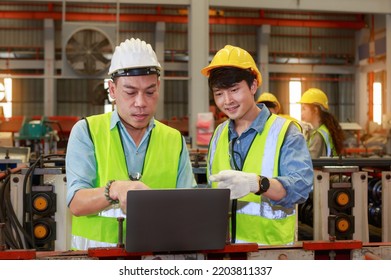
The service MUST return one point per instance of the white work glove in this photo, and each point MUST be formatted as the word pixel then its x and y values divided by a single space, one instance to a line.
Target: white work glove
pixel 240 183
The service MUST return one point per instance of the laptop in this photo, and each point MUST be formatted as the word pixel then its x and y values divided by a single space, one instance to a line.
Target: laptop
pixel 177 220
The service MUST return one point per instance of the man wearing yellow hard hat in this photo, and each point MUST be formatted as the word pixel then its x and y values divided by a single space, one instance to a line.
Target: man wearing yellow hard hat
pixel 261 157
pixel 326 137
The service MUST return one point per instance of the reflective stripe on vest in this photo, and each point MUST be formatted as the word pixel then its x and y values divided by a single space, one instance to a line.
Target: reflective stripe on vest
pixel 294 121
pixel 330 149
pixel 87 243
pixel 102 228
pixel 257 219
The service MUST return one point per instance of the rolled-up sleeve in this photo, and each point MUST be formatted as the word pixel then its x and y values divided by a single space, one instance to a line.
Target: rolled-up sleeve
pixel 80 160
pixel 295 169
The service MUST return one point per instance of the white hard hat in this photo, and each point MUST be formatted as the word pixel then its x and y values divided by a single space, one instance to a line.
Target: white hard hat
pixel 134 58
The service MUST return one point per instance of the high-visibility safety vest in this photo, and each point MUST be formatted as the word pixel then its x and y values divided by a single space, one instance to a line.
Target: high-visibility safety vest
pixel 294 121
pixel 323 130
pixel 257 220
pixel 165 146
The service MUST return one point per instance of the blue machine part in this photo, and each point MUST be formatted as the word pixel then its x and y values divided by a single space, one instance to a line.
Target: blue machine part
pixel 33 129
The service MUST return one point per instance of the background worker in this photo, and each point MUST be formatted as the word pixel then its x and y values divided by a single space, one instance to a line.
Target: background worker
pixel 274 106
pixel 271 102
pixel 261 157
pixel 110 154
pixel 326 137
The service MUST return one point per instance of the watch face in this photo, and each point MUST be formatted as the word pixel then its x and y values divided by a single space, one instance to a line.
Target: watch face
pixel 265 184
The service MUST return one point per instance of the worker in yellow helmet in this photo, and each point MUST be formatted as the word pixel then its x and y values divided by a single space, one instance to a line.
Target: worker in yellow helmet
pixel 259 156
pixel 326 137
pixel 272 103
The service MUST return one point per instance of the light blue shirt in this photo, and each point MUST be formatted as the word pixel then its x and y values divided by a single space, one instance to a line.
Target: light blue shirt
pixel 295 165
pixel 81 162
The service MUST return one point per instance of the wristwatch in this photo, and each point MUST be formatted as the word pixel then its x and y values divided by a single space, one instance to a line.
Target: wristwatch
pixel 264 185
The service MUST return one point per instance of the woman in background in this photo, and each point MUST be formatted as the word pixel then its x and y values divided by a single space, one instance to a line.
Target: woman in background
pixel 326 137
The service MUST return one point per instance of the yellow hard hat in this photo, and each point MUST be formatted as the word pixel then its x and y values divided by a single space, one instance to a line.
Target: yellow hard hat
pixel 269 97
pixel 234 57
pixel 315 96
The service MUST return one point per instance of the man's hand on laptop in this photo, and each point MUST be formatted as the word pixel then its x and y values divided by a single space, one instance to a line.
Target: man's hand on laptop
pixel 240 183
pixel 119 190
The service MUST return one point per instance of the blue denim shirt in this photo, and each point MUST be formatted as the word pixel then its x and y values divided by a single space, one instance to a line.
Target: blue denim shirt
pixel 81 163
pixel 295 166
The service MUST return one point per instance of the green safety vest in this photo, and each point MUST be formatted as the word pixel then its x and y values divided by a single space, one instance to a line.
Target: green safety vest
pixel 323 130
pixel 165 146
pixel 257 220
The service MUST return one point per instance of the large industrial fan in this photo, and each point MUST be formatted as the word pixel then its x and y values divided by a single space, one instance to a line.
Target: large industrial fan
pixel 87 50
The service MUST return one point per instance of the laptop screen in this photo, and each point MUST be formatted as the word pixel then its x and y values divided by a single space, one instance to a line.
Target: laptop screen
pixel 174 220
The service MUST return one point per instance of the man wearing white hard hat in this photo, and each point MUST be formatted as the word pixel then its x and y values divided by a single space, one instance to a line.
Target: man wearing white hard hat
pixel 112 153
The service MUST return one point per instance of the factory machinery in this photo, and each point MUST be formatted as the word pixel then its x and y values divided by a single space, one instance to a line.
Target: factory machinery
pixel 351 199
pixel 33 213
pixel 349 209
pixel 347 215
